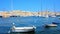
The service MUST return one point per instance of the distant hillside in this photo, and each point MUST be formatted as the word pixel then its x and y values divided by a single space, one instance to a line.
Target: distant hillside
pixel 27 13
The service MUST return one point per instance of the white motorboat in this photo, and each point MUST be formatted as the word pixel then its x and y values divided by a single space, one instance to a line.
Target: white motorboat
pixel 50 25
pixel 23 29
pixel 53 16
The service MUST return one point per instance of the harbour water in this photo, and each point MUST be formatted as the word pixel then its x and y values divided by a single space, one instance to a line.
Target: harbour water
pixel 39 22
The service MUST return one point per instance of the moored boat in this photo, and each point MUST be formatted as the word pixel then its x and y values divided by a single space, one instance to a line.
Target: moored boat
pixel 23 29
pixel 55 23
pixel 0 16
pixel 50 25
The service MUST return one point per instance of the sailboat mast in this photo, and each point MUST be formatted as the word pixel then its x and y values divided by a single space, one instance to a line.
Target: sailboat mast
pixel 41 7
pixel 54 11
pixel 54 8
pixel 46 13
pixel 11 4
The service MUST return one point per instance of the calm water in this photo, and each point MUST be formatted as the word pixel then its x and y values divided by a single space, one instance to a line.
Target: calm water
pixel 39 22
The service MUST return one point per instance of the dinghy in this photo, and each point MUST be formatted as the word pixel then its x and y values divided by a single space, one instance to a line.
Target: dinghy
pixel 55 23
pixel 23 29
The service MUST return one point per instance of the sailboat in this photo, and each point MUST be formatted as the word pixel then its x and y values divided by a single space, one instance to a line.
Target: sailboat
pixel 46 15
pixel 49 25
pixel 53 16
pixel 54 10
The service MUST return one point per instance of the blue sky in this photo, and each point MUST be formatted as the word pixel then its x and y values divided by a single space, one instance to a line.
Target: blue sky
pixel 30 5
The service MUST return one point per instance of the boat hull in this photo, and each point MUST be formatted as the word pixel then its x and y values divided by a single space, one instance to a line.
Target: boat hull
pixel 30 30
pixel 23 29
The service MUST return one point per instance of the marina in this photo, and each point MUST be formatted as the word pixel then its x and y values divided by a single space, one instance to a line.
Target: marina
pixel 38 22
pixel 29 16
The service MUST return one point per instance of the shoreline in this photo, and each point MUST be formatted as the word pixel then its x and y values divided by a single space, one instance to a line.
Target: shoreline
pixel 25 13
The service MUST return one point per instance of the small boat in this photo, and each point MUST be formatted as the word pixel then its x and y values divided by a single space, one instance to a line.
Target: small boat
pixel 23 29
pixel 13 16
pixel 55 23
pixel 0 16
pixel 53 16
pixel 50 25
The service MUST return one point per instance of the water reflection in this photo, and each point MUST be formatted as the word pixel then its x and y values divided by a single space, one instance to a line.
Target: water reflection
pixel 24 33
pixel 50 27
